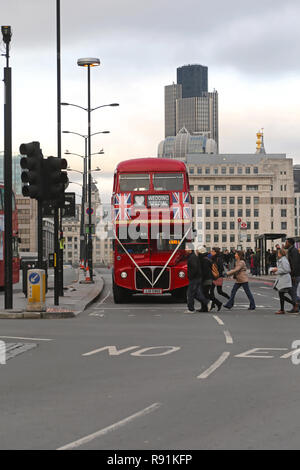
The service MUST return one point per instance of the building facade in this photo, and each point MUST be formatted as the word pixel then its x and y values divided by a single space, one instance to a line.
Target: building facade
pixel 189 104
pixel 232 191
pixel 16 172
pixel 185 143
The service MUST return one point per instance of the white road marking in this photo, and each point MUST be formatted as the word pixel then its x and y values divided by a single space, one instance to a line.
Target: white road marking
pixel 290 354
pixel 30 339
pixel 218 319
pixel 214 366
pixel 261 351
pixel 228 337
pixel 103 300
pixel 113 427
pixel 112 350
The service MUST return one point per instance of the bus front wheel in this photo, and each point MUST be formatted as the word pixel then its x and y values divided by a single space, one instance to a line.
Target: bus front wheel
pixel 120 295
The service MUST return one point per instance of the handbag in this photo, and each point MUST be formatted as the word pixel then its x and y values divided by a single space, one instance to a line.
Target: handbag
pixel 215 271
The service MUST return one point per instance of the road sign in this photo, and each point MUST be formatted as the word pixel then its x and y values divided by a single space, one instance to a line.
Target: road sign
pixel 67 211
pixel 244 225
pixel 90 211
pixel 34 278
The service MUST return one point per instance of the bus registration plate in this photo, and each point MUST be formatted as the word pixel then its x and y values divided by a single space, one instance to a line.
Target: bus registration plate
pixel 152 291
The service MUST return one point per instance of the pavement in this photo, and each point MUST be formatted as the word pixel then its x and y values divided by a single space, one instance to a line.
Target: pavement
pixel 77 297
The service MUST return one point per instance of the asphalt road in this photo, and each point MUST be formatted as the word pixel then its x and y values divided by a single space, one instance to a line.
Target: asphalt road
pixel 147 376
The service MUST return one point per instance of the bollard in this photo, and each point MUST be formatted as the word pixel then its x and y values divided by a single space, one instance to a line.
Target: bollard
pixel 36 290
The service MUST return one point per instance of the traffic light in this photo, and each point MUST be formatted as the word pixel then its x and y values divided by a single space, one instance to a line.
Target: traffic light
pixel 32 176
pixel 55 180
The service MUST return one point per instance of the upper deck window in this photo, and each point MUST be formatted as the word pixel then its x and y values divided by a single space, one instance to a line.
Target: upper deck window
pixel 168 181
pixel 134 182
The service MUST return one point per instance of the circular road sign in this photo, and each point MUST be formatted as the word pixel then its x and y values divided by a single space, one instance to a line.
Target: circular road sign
pixel 239 220
pixel 34 278
pixel 244 225
pixel 90 211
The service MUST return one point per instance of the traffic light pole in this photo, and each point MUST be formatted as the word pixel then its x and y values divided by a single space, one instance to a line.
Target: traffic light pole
pixel 40 234
pixel 8 177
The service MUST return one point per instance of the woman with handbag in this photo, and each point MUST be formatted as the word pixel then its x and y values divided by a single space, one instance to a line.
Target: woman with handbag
pixel 218 270
pixel 283 283
pixel 241 280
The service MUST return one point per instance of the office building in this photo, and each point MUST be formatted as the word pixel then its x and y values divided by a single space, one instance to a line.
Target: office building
pixel 189 104
pixel 185 143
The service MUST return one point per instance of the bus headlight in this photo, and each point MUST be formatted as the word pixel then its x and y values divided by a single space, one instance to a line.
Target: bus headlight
pixel 181 274
pixel 123 274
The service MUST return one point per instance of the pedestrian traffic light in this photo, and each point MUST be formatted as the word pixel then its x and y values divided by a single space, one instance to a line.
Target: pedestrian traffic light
pixel 32 176
pixel 55 180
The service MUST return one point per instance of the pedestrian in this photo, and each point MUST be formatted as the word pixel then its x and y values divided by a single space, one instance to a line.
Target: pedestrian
pixel 226 258
pixel 283 283
pixel 294 260
pixel 195 274
pixel 207 280
pixel 217 259
pixel 252 266
pixel 241 280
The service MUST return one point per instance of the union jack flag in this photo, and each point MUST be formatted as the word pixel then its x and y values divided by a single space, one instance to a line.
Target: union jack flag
pixel 181 206
pixel 122 205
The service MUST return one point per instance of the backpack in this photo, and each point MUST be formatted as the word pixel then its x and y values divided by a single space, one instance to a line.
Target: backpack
pixel 215 271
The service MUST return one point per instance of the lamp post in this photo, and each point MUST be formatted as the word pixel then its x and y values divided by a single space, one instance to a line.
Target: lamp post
pixel 83 243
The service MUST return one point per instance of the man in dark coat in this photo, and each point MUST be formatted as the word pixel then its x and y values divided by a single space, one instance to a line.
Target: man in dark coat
pixel 294 260
pixel 194 273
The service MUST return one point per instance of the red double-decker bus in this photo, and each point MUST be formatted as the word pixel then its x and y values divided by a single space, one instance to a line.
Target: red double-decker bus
pixel 152 222
pixel 15 239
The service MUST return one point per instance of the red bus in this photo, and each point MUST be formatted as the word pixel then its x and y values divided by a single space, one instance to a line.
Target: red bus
pixel 152 218
pixel 15 230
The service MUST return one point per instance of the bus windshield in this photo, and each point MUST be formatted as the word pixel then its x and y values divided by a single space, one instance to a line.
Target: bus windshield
pixel 168 181
pixel 134 182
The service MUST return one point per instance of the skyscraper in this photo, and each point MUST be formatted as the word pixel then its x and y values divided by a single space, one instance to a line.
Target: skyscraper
pixel 193 79
pixel 189 104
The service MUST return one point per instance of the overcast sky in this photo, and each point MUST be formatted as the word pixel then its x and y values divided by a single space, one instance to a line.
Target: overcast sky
pixel 251 50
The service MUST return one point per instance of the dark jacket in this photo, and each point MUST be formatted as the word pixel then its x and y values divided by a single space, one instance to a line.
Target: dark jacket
pixel 294 260
pixel 206 266
pixel 194 270
pixel 218 259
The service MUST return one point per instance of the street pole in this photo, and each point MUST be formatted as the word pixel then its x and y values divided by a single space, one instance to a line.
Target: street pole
pixel 90 240
pixel 6 32
pixel 58 268
pixel 83 205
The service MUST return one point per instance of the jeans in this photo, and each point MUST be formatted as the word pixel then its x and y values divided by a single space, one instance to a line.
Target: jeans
pixel 247 290
pixel 195 291
pixel 295 282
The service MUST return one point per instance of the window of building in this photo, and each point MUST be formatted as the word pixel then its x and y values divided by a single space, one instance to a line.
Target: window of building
pixel 199 170
pixel 224 225
pixel 200 225
pixel 249 225
pixel 207 238
pixel 216 200
pixel 231 213
pixel 207 225
pixel 236 187
pixel 216 212
pixel 207 171
pixel 240 171
pixel 252 187
pixel 248 237
pixel 216 238
pixel 224 213
pixel 248 200
pixel 191 187
pixel 240 212
pixel 231 171
pixel 283 225
pixel 231 200
pixel 232 238
pixel 216 225
pixel 203 188
pixel 248 170
pixel 224 200
pixel 207 213
pixel 223 170
pixel 240 200
pixel 192 171
pixel 216 171
pixel 256 225
pixel 192 199
pixel 255 169
pixel 283 212
pixel 231 225
pixel 256 213
pixel 207 200
pixel 224 238
pixel 199 200
pixel 256 200
pixel 220 187
pixel 248 212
